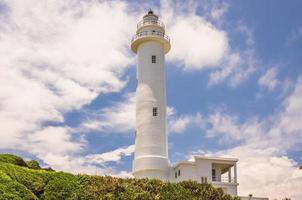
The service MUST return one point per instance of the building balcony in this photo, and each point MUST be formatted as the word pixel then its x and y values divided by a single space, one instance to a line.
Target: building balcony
pixel 223 179
pixel 148 22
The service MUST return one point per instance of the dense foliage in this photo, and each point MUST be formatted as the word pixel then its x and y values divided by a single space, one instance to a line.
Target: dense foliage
pixel 26 180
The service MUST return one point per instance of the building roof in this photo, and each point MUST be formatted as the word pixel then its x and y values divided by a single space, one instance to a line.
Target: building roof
pixel 215 158
pixel 185 162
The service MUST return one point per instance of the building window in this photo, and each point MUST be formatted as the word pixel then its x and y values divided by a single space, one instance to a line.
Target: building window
pixel 154 111
pixel 175 174
pixel 179 172
pixel 153 59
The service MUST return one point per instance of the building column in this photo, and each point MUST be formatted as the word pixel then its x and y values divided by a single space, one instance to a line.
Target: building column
pixel 230 175
pixel 235 173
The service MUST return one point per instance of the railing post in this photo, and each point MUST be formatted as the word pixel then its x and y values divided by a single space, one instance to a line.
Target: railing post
pixel 230 175
pixel 235 173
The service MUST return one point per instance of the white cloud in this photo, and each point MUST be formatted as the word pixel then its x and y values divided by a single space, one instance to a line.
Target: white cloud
pixel 203 45
pixel 196 43
pixel 95 164
pixel 221 74
pixel 181 123
pixel 237 67
pixel 119 117
pixel 269 79
pixel 263 173
pixel 199 42
pixel 113 156
pixel 57 56
pixel 263 148
pixel 219 10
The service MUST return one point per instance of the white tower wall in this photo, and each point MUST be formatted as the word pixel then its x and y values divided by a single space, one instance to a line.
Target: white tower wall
pixel 151 152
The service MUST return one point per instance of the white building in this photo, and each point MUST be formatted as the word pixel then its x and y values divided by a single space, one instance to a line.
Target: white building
pixel 150 43
pixel 220 172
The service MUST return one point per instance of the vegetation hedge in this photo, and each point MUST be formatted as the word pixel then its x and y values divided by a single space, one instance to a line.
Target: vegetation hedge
pixel 31 183
pixel 33 164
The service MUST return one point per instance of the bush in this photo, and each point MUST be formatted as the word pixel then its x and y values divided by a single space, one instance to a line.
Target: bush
pixel 10 189
pixel 17 182
pixel 61 186
pixel 12 159
pixel 33 180
pixel 33 164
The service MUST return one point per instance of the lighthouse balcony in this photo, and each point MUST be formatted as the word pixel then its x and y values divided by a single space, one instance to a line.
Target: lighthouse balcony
pixel 150 22
pixel 155 36
pixel 150 33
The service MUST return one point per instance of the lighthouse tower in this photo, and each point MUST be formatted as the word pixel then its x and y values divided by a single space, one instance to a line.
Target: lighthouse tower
pixel 151 153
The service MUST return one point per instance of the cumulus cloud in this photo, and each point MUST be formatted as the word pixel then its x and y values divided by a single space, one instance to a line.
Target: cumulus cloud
pixel 229 129
pixel 199 42
pixel 219 10
pixel 276 176
pixel 113 156
pixel 196 42
pixel 262 148
pixel 237 66
pixel 203 45
pixel 57 56
pixel 119 117
pixel 96 164
pixel 269 79
pixel 178 124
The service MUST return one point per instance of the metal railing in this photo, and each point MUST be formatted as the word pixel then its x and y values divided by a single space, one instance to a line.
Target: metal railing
pixel 223 179
pixel 150 22
pixel 150 33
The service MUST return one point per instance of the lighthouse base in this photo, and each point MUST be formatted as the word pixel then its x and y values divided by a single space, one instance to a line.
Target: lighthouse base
pixel 152 167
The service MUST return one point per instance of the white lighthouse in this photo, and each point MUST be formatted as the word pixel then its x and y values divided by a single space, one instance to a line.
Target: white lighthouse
pixel 150 43
pixel 151 153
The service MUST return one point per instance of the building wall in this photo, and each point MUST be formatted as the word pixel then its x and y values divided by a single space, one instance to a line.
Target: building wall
pixel 187 172
pixel 204 169
pixel 229 188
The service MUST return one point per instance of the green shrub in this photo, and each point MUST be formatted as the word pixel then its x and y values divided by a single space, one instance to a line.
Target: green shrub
pixel 61 186
pixel 17 182
pixel 10 189
pixel 12 159
pixel 33 164
pixel 34 180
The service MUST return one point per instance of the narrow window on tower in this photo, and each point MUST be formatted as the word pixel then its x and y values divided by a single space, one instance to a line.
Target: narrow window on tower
pixel 154 111
pixel 153 59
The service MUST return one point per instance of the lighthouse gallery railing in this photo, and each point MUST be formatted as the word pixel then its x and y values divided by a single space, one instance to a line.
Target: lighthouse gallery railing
pixel 150 33
pixel 150 22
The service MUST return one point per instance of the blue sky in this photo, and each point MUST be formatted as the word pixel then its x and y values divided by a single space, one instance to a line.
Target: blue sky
pixel 234 85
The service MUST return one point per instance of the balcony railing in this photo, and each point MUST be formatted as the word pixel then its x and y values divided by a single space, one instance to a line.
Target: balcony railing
pixel 223 179
pixel 150 22
pixel 150 33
